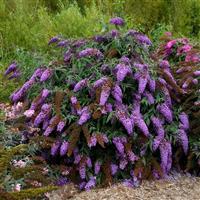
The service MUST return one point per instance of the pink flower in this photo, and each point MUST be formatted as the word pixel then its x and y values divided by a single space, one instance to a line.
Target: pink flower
pixel 170 44
pixel 184 49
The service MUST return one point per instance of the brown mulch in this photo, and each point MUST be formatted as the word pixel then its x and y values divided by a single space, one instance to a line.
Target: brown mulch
pixel 179 188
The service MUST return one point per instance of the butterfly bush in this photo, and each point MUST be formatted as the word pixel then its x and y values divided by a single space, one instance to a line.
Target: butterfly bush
pixel 107 107
pixel 182 60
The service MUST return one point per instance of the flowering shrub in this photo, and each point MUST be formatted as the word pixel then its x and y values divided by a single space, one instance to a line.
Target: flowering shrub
pixel 110 115
pixel 182 61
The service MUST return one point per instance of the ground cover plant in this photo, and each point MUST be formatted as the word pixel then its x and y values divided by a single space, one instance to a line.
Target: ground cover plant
pixel 104 109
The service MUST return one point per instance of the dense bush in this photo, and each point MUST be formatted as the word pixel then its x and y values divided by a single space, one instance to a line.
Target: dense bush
pixel 184 59
pixel 109 113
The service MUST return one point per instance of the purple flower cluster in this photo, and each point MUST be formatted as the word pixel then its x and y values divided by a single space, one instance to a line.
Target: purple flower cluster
pixel 90 52
pixel 117 21
pixel 80 85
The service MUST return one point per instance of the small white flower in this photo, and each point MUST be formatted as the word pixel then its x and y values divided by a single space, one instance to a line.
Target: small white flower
pixel 17 187
pixel 29 113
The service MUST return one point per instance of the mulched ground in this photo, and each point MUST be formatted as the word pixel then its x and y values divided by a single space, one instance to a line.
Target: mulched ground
pixel 178 187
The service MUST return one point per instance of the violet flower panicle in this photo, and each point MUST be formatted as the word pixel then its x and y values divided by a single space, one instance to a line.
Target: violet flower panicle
pixel 11 68
pixel 166 112
pixel 123 163
pixel 157 124
pixel 55 148
pixel 149 97
pixel 164 156
pixel 184 121
pixel 125 120
pixel 80 85
pixel 91 183
pixel 97 167
pixel 100 82
pixel 117 93
pixel 114 168
pixel 151 84
pixel 105 93
pixel 117 21
pixel 60 126
pixel 46 75
pixel 118 144
pixel 64 148
pixel 122 71
pixel 183 139
pixel 82 171
pixel 53 40
pixel 84 116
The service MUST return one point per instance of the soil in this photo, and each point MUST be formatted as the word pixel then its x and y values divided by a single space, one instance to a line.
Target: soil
pixel 178 187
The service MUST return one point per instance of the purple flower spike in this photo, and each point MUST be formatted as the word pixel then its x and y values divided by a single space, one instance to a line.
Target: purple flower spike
pixel 100 82
pixel 184 121
pixel 128 183
pixel 105 93
pixel 149 97
pixel 91 183
pixel 137 119
pixel 117 93
pixel 118 144
pixel 80 85
pixel 68 55
pixel 37 73
pixel 164 156
pixel 11 68
pixel 164 64
pixel 166 112
pixel 55 147
pixel 60 126
pixel 118 21
pixel 90 52
pixel 197 73
pixel 48 131
pixel 16 74
pixel 62 43
pixel 125 60
pixel 93 141
pixel 122 71
pixel 123 163
pixel 143 39
pixel 97 167
pixel 131 156
pixel 46 75
pixel 45 110
pixel 85 115
pixel 151 84
pixel 183 138
pixel 62 181
pixel 114 33
pixel 82 171
pixel 100 38
pixel 89 162
pixel 157 124
pixel 53 40
pixel 44 94
pixel 142 82
pixel 64 148
pixel 114 168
